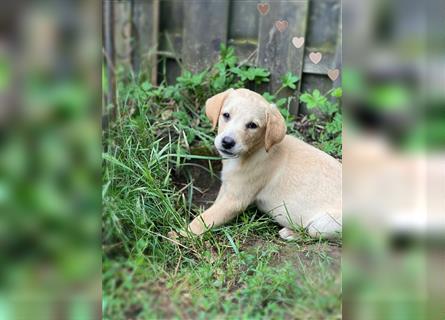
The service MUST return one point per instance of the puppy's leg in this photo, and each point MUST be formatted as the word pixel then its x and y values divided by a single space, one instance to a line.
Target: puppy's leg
pixel 326 226
pixel 219 213
pixel 223 210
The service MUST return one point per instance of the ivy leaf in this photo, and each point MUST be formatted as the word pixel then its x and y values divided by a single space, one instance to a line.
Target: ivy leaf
pixel 285 113
pixel 197 79
pixel 219 82
pixel 312 117
pixel 289 80
pixel 328 108
pixel 268 97
pixel 185 78
pixel 316 94
pixel 221 67
pixel 146 86
pixel 256 73
pixel 240 73
pixel 228 55
pixel 281 102
pixel 335 126
pixel 314 100
pixel 337 93
pixel 230 61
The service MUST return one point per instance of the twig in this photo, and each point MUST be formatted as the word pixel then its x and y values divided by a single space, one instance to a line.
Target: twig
pixel 248 58
pixel 110 63
pixel 177 266
pixel 174 241
pixel 167 54
pixel 172 49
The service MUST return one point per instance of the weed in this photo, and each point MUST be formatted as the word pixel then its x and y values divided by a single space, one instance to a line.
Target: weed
pixel 324 126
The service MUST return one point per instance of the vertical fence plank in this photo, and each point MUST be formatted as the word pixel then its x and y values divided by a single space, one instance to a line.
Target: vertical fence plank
pixel 108 51
pixel 338 55
pixel 170 39
pixel 324 36
pixel 205 27
pixel 122 34
pixel 276 51
pixel 243 28
pixel 145 37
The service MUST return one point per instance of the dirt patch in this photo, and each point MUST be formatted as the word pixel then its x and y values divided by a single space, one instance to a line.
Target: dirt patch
pixel 298 253
pixel 133 311
pixel 205 184
pixel 306 254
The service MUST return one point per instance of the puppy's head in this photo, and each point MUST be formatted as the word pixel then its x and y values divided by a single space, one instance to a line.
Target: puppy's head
pixel 246 122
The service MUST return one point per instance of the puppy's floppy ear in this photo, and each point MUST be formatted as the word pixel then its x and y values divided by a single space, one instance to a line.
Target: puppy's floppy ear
pixel 214 105
pixel 275 128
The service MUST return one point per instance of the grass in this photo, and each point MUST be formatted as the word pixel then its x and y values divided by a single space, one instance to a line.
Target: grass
pixel 158 173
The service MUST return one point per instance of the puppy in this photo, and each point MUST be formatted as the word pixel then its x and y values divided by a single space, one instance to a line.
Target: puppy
pixel 297 184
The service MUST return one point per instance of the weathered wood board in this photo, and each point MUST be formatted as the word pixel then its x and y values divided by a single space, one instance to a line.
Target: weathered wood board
pixel 145 16
pixel 170 40
pixel 108 106
pixel 243 29
pixel 205 27
pixel 122 34
pixel 275 49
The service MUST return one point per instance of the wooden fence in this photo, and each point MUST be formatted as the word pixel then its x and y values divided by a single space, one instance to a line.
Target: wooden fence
pixel 280 35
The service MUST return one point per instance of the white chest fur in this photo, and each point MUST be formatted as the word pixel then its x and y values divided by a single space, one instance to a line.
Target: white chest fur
pixel 229 166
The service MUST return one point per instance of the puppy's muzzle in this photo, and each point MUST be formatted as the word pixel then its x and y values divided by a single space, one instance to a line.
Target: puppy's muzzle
pixel 228 143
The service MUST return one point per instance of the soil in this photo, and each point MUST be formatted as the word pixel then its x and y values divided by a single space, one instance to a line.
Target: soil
pixel 206 185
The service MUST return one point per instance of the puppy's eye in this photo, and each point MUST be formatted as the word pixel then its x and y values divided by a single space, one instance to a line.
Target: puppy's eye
pixel 226 115
pixel 251 125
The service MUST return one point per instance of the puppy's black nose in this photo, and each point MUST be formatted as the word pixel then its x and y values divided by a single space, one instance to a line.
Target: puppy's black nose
pixel 227 143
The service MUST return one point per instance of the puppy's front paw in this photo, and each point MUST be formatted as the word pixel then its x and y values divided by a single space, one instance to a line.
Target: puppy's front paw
pixel 193 229
pixel 196 227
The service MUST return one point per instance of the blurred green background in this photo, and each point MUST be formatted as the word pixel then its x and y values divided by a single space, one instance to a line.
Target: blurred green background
pixel 50 158
pixel 50 162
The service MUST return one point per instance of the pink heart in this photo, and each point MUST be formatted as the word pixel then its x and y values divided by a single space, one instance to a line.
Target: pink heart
pixel 263 8
pixel 281 25
pixel 333 74
pixel 298 42
pixel 315 57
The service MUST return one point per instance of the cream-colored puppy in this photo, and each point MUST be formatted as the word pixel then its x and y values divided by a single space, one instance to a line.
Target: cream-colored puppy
pixel 297 184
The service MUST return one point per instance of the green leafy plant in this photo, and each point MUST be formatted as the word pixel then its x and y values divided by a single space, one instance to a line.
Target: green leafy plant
pixel 323 126
pixel 228 72
pixel 191 80
pixel 183 100
pixel 258 75
pixel 290 81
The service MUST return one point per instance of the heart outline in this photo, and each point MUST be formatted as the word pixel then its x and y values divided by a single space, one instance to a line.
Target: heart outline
pixel 298 42
pixel 281 25
pixel 315 57
pixel 263 8
pixel 333 74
